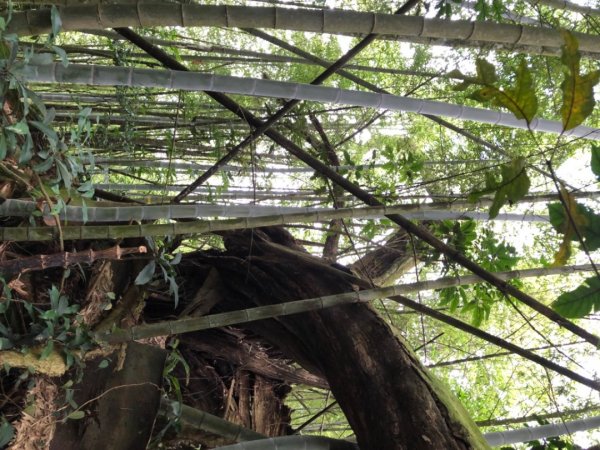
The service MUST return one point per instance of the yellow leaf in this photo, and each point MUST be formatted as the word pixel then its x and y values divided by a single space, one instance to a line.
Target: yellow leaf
pixel 577 88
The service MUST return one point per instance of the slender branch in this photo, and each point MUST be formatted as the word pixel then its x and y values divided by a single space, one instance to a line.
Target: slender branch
pixel 168 328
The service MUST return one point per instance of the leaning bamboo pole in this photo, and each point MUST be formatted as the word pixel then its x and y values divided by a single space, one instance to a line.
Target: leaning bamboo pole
pixel 431 31
pixel 38 233
pixel 121 212
pixel 186 325
pixel 197 81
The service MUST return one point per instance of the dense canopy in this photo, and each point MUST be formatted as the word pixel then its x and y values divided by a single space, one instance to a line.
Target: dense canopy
pixel 354 219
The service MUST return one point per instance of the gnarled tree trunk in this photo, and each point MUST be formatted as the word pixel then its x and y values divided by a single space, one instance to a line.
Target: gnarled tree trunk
pixel 390 400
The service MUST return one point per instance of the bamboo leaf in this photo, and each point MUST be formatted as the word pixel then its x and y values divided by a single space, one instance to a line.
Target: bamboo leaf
pixel 3 146
pixel 596 161
pixel 44 166
pixel 146 273
pixel 578 89
pixel 7 432
pixel 47 349
pixel 76 415
pixel 26 149
pixel 55 20
pixel 20 128
pixel 579 302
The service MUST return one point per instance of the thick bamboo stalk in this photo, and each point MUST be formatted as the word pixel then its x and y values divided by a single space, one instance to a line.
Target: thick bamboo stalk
pixel 207 422
pixel 125 213
pixel 293 443
pixel 311 20
pixel 28 233
pixel 195 81
pixel 542 431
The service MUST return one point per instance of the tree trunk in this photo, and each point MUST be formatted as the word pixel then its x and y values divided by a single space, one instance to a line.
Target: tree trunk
pixel 386 264
pixel 390 400
pixel 120 403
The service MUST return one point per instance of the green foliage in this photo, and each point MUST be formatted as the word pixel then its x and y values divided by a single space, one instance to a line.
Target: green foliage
pixel 477 300
pixel 581 301
pixel 458 234
pixel 28 136
pixel 7 432
pixel 577 88
pixel 484 9
pixel 171 381
pixel 484 248
pixel 167 264
pixel 512 186
pixel 579 219
pixel 58 324
pixel 520 100
pixel 595 162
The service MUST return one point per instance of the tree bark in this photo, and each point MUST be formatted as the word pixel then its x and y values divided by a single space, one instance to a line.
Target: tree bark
pixel 390 400
pixel 120 403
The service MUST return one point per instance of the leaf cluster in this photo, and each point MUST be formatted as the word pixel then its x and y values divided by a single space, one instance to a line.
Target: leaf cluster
pixel 580 223
pixel 167 264
pixel 494 255
pixel 58 324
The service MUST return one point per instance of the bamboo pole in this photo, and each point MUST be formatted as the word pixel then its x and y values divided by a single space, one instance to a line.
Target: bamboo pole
pixel 127 213
pixel 429 31
pixel 197 81
pixel 169 328
pixel 29 233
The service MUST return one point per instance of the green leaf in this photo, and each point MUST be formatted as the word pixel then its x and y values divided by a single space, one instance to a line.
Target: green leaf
pixel 20 128
pixel 3 146
pixel 582 220
pixel 44 166
pixel 65 175
pixel 595 161
pixel 26 150
pixel 513 187
pixel 146 273
pixel 49 132
pixel 56 21
pixel 7 432
pixel 176 259
pixel 54 297
pixel 486 72
pixel 5 343
pixel 76 415
pixel 579 302
pixel 577 88
pixel 47 349
pixel 62 55
pixel 103 364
